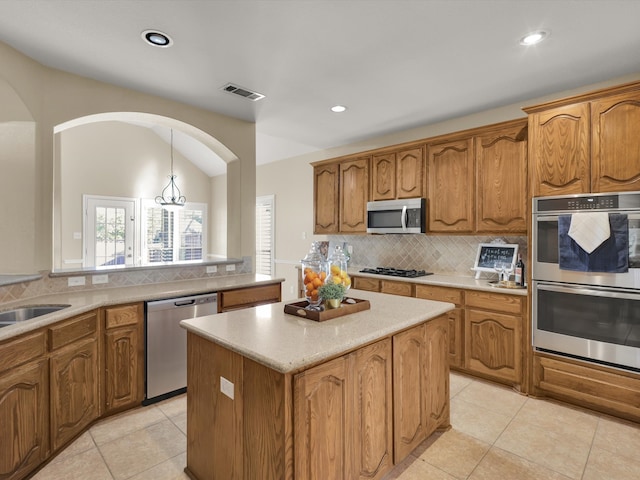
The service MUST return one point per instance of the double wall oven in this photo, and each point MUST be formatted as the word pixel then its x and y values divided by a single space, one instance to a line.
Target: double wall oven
pixel 584 312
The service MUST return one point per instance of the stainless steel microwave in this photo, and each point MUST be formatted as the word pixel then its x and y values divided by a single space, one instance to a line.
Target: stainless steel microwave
pixel 408 215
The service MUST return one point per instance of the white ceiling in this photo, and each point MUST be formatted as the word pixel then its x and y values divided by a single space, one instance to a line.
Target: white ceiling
pixel 396 64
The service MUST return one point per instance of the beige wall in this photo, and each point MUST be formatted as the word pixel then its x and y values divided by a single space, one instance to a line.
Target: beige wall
pixel 291 180
pixel 53 97
pixel 218 215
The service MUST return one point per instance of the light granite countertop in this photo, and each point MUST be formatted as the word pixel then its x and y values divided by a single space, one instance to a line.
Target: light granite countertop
pixel 86 300
pixel 287 343
pixel 454 281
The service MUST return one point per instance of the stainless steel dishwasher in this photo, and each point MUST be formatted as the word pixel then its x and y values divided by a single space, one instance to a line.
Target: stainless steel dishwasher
pixel 166 343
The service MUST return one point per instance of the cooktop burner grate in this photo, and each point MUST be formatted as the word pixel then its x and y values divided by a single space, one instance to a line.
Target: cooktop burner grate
pixel 396 272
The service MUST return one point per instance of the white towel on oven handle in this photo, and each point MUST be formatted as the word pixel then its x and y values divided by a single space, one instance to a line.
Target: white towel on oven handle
pixel 590 229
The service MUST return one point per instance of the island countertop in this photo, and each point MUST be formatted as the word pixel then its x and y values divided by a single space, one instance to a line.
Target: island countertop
pixel 287 343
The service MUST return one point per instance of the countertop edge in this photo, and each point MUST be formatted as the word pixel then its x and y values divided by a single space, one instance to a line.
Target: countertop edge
pixel 434 310
pixel 87 300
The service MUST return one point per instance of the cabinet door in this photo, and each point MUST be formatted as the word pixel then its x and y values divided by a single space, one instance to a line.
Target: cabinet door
pixel 456 340
pixel 354 194
pixel 24 415
pixel 451 187
pixel 365 283
pixel 372 431
pixel 322 419
pixel 124 367
pixel 437 367
pixel 493 344
pixel 559 150
pixel 501 162
pixel 325 198
pixel 383 177
pixel 410 173
pixel 75 400
pixel 615 153
pixel 409 392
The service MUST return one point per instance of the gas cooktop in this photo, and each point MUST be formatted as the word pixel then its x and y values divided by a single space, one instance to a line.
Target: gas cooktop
pixel 396 272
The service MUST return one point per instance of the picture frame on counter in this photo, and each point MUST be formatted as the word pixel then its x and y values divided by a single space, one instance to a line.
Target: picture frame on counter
pixel 489 254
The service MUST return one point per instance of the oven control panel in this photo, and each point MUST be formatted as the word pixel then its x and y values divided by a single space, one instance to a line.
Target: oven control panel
pixel 612 201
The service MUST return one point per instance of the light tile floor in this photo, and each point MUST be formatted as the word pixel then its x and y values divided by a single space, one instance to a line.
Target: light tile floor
pixel 496 434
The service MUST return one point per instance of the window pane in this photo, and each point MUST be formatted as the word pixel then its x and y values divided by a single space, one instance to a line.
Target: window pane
pixel 110 234
pixel 159 236
pixel 190 231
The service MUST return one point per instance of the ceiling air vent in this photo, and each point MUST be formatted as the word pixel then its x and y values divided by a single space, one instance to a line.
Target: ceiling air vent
pixel 242 92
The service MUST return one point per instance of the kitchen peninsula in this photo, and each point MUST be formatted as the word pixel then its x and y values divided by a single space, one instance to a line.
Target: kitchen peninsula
pixel 276 396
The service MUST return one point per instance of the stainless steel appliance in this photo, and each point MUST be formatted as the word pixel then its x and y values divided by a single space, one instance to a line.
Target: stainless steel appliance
pixel 397 216
pixel 396 272
pixel 166 343
pixel 591 315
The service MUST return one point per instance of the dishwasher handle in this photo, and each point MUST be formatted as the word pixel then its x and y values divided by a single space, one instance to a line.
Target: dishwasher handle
pixel 185 303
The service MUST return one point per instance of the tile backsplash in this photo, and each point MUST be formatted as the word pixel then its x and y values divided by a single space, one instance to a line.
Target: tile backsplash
pixel 450 255
pixel 117 278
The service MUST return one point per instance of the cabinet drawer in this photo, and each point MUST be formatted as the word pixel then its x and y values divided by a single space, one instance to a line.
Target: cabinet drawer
pixel 397 288
pixel 248 297
pixel 67 332
pixel 16 352
pixel 364 283
pixel 123 315
pixel 494 301
pixel 441 294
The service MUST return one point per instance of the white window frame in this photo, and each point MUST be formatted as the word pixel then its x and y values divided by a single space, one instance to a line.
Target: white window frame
pixel 146 204
pixel 267 200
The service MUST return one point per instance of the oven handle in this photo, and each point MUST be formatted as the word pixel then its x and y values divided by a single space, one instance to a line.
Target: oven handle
pixel 592 291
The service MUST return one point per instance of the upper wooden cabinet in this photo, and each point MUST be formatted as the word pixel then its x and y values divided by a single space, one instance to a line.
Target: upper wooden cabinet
pixel 326 181
pixel 559 146
pixel 615 143
pixel 398 174
pixel 478 183
pixel 587 143
pixel 501 174
pixel 340 196
pixel 451 191
pixel 354 188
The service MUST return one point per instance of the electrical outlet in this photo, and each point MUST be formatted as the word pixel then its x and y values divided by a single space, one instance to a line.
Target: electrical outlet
pixel 98 279
pixel 304 235
pixel 212 269
pixel 75 281
pixel 77 235
pixel 226 387
pixel 231 268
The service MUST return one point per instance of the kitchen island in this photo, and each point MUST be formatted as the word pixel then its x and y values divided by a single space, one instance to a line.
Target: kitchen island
pixel 276 396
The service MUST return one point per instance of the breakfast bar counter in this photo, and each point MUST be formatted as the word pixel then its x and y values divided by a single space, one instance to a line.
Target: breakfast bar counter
pixel 276 396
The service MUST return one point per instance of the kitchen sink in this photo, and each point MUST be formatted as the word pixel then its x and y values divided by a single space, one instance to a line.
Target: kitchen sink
pixel 21 314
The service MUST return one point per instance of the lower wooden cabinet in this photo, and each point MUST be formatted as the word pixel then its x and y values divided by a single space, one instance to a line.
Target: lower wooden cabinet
pixel 421 384
pixel 74 372
pixel 455 316
pixel 342 414
pixel 123 356
pixel 597 387
pixel 75 401
pixel 24 419
pixel 493 335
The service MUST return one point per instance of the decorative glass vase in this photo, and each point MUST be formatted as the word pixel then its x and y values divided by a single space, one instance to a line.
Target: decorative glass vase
pixel 338 268
pixel 314 274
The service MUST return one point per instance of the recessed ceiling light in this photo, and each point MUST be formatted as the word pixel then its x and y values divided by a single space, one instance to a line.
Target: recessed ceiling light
pixel 338 108
pixel 157 38
pixel 534 37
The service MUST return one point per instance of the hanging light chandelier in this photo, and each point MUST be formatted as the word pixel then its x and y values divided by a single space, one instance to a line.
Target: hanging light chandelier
pixel 171 198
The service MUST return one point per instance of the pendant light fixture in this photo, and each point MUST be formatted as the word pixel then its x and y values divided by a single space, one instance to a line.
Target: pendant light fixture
pixel 171 198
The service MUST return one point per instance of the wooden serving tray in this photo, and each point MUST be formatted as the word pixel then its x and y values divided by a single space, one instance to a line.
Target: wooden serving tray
pixel 298 309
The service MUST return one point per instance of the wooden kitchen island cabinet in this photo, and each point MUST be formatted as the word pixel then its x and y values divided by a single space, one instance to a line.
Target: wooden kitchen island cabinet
pixel 307 401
